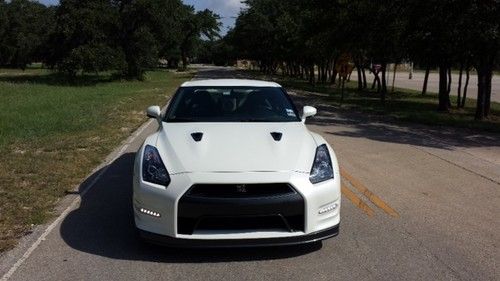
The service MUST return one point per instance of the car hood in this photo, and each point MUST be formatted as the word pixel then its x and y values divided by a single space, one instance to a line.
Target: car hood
pixel 236 147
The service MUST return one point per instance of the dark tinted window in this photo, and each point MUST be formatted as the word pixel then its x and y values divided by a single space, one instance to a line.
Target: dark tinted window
pixel 231 104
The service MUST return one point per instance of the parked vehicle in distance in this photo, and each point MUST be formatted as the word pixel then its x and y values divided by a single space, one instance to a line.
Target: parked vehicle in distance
pixel 233 164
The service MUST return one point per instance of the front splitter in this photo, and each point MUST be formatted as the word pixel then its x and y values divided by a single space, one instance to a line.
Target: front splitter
pixel 238 243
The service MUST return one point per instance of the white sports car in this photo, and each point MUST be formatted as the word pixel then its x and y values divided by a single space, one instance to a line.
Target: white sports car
pixel 233 164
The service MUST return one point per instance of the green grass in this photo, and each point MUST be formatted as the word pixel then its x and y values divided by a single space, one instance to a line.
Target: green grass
pixel 54 131
pixel 403 105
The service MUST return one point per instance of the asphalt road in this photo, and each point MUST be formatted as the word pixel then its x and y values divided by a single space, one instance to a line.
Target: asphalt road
pixel 443 187
pixel 417 82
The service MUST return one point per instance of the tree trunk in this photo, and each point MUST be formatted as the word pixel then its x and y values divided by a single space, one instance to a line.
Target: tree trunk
pixel 360 80
pixel 410 74
pixel 448 74
pixel 448 90
pixel 184 60
pixel 330 71
pixel 311 75
pixel 394 77
pixel 426 80
pixel 481 99
pixel 487 97
pixel 333 78
pixel 466 86
pixel 376 80
pixel 383 91
pixel 444 97
pixel 363 70
pixel 484 76
pixel 342 85
pixel 459 91
pixel 325 72
pixel 320 72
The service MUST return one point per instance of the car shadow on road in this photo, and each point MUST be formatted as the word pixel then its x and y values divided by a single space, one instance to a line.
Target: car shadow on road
pixel 103 225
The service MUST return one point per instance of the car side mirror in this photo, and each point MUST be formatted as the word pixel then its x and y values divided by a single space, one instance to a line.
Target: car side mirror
pixel 308 111
pixel 154 112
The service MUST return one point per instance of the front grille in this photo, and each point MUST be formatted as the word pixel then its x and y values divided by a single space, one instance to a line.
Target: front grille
pixel 243 223
pixel 240 190
pixel 235 207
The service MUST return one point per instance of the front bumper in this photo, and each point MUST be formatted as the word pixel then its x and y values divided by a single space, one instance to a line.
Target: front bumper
pixel 238 243
pixel 317 224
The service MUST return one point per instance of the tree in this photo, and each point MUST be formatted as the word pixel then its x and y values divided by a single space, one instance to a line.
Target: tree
pixel 385 42
pixel 24 26
pixel 485 25
pixel 149 29
pixel 305 39
pixel 3 32
pixel 83 37
pixel 125 35
pixel 202 23
pixel 217 52
pixel 434 38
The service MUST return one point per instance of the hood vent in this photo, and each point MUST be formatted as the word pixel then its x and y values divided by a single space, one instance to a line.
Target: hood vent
pixel 276 136
pixel 197 136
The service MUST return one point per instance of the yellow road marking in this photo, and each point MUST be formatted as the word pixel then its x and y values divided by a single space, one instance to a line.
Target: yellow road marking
pixel 370 195
pixel 357 201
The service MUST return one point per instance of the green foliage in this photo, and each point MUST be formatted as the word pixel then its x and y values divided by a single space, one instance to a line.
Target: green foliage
pixel 217 52
pixel 99 35
pixel 305 38
pixel 92 58
pixel 141 52
pixel 3 30
pixel 81 39
pixel 203 23
pixel 24 26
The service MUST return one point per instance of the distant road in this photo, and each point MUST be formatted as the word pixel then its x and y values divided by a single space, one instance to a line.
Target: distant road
pixel 416 83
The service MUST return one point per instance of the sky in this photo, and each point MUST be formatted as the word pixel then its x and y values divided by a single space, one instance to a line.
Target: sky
pixel 227 9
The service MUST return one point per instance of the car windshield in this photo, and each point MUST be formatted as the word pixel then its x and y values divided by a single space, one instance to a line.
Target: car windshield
pixel 231 104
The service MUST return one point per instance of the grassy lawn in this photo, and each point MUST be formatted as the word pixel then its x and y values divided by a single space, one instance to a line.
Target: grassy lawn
pixel 404 105
pixel 54 132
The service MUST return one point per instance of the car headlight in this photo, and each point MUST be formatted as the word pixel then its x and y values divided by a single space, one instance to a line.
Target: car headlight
pixel 322 169
pixel 153 169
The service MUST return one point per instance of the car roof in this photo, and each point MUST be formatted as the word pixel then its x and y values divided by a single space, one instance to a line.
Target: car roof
pixel 229 83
